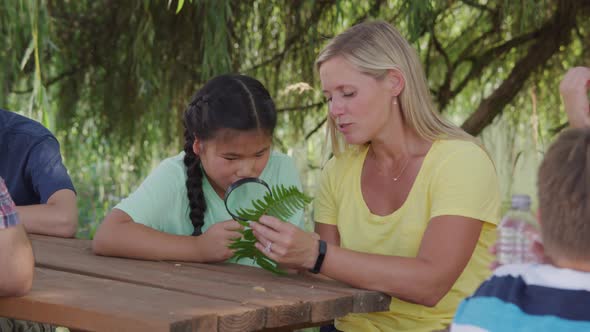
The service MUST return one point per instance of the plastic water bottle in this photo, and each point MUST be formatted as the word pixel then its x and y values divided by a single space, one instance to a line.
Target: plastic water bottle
pixel 517 232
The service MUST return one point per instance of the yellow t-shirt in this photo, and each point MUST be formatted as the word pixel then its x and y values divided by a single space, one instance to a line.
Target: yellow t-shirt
pixel 456 178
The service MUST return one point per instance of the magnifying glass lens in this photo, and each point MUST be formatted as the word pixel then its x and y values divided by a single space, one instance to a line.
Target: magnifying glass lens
pixel 242 196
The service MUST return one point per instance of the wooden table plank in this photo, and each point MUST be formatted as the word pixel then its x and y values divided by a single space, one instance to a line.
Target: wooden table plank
pixel 363 300
pixel 98 304
pixel 287 303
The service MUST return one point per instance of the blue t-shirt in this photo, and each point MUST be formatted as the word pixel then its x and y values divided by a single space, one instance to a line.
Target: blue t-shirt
pixel 528 297
pixel 30 161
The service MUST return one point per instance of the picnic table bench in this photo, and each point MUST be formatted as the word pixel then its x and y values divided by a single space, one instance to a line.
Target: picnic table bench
pixel 77 289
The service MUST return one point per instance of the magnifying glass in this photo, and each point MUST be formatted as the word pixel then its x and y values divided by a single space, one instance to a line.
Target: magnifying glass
pixel 242 197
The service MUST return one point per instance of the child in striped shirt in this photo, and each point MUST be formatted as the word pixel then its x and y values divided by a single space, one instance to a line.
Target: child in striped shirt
pixel 554 295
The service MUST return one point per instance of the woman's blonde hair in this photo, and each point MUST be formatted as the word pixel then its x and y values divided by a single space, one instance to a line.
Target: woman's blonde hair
pixel 374 48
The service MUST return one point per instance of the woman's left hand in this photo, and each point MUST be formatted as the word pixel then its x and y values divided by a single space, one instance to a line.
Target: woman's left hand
pixel 285 243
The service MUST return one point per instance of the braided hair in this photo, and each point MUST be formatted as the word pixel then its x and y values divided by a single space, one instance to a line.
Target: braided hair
pixel 225 102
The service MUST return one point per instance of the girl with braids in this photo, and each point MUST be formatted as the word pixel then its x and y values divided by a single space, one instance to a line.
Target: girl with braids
pixel 178 213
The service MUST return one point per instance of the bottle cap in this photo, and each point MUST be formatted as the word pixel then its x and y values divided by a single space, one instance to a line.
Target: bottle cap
pixel 521 202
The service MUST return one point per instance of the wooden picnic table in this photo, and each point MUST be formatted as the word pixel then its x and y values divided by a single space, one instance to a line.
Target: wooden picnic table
pixel 77 289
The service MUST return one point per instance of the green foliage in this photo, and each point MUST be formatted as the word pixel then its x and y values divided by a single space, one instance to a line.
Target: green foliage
pixel 420 17
pixel 281 202
pixel 112 78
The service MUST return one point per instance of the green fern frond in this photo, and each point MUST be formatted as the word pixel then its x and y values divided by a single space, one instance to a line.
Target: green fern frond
pixel 281 202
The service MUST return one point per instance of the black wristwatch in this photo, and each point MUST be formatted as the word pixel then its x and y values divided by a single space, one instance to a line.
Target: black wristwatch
pixel 322 253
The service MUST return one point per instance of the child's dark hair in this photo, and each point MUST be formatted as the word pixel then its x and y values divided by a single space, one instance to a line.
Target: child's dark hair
pixel 224 102
pixel 564 193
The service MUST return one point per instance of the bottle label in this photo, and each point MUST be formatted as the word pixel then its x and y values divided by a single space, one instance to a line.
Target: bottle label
pixel 515 242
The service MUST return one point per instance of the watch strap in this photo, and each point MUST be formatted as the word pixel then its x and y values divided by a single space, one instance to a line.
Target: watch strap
pixel 323 247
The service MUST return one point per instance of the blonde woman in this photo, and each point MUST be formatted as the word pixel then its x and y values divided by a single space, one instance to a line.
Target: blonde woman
pixel 409 204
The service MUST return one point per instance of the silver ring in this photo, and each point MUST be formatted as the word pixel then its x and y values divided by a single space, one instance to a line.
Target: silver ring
pixel 268 247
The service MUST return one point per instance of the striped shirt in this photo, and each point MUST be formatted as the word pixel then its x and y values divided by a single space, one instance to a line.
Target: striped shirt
pixel 8 216
pixel 528 297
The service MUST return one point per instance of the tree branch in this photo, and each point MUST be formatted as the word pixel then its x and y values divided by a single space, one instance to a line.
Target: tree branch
pixel 316 128
pixel 445 88
pixel 51 81
pixel 373 11
pixel 552 35
pixel 427 60
pixel 478 64
pixel 296 108
pixel 292 40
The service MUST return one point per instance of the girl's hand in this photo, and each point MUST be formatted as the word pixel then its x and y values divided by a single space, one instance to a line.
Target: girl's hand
pixel 285 243
pixel 574 91
pixel 217 239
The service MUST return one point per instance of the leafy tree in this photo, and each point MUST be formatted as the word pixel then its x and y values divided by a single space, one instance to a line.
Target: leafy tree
pixel 112 77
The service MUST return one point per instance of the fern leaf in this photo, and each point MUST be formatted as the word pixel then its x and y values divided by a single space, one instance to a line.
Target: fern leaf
pixel 281 202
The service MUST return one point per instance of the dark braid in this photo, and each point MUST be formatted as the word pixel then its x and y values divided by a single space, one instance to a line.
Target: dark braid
pixel 194 184
pixel 227 101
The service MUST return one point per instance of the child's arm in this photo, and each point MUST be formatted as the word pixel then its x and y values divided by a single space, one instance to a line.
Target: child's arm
pixel 16 261
pixel 57 217
pixel 119 235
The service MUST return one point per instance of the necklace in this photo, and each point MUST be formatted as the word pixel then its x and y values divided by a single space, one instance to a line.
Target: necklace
pixel 400 173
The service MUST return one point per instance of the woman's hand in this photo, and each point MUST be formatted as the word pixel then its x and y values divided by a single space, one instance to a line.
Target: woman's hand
pixel 285 243
pixel 217 238
pixel 574 91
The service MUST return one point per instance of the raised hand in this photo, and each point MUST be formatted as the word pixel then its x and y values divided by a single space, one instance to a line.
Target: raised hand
pixel 574 91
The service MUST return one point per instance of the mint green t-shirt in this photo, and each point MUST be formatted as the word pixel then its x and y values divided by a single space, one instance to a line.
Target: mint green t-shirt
pixel 161 201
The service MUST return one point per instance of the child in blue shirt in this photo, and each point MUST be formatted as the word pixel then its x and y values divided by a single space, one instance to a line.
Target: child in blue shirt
pixel 37 180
